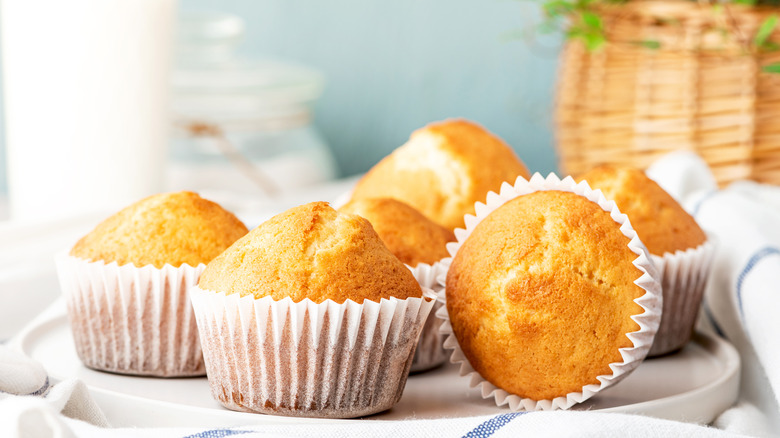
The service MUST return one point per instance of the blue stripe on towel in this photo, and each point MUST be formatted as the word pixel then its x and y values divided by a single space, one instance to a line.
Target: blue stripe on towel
pixel 757 257
pixel 701 201
pixel 217 433
pixel 491 426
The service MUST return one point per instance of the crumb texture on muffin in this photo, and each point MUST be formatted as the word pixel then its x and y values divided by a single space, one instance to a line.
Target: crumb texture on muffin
pixel 409 235
pixel 540 295
pixel 314 252
pixel 443 170
pixel 173 228
pixel 661 223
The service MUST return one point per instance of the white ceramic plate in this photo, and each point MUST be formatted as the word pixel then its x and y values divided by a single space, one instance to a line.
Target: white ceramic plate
pixel 693 385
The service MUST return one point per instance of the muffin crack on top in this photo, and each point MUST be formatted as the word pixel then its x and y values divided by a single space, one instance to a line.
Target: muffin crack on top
pixel 313 252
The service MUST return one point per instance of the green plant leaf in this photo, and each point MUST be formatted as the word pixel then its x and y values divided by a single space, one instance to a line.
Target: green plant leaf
pixel 765 30
pixel 772 68
pixel 594 41
pixel 745 2
pixel 591 20
pixel 770 46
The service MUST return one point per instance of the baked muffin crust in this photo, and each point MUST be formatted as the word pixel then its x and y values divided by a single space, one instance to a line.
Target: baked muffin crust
pixel 540 295
pixel 409 235
pixel 443 170
pixel 173 228
pixel 661 223
pixel 314 252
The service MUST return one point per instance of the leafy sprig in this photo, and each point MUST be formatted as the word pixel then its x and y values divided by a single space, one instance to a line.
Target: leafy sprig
pixel 580 19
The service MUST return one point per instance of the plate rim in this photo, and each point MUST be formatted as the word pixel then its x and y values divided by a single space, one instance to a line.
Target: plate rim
pixel 722 350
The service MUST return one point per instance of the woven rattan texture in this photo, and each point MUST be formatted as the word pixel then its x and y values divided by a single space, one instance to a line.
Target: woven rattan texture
pixel 703 89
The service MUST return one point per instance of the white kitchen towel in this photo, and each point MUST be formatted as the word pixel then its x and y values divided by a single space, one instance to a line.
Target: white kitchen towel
pixel 511 424
pixel 739 303
pixel 30 406
pixel 742 299
pixel 20 375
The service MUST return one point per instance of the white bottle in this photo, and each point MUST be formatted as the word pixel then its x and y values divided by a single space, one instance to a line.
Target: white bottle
pixel 86 102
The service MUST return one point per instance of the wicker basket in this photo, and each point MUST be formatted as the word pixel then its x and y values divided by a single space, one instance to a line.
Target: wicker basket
pixel 702 90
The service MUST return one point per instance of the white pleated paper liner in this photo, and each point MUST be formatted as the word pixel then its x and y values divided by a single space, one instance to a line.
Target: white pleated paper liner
pixel 651 301
pixel 324 360
pixel 430 348
pixel 132 320
pixel 684 277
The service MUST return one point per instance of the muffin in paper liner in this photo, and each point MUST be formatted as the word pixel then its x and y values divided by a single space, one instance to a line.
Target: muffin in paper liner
pixel 651 301
pixel 132 320
pixel 430 348
pixel 310 359
pixel 683 279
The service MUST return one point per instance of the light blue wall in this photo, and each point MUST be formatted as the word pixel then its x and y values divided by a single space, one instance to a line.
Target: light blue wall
pixel 393 66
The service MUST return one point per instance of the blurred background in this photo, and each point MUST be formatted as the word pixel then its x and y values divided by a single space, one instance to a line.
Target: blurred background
pixel 370 72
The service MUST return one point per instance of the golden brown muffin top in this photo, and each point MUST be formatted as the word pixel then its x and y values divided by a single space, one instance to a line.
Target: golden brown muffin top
pixel 540 295
pixel 409 235
pixel 314 252
pixel 661 223
pixel 443 170
pixel 173 228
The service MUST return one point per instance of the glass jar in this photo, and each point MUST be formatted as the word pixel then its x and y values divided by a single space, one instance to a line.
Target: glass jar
pixel 241 125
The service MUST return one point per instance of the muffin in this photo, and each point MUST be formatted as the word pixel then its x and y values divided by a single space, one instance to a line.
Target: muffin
pixel 409 235
pixel 662 224
pixel 420 243
pixel 550 296
pixel 125 284
pixel 309 315
pixel 679 247
pixel 443 170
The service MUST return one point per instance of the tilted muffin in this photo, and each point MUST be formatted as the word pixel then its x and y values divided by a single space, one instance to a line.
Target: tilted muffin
pixel 313 296
pixel 443 170
pixel 421 244
pixel 126 282
pixel 679 247
pixel 542 293
pixel 409 235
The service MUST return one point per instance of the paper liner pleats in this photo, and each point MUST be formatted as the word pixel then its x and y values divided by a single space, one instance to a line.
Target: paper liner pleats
pixel 683 280
pixel 132 320
pixel 307 359
pixel 647 279
pixel 430 351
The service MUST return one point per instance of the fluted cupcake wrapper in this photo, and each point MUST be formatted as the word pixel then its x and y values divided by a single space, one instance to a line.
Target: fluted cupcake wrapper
pixel 651 301
pixel 684 277
pixel 132 320
pixel 310 359
pixel 430 351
